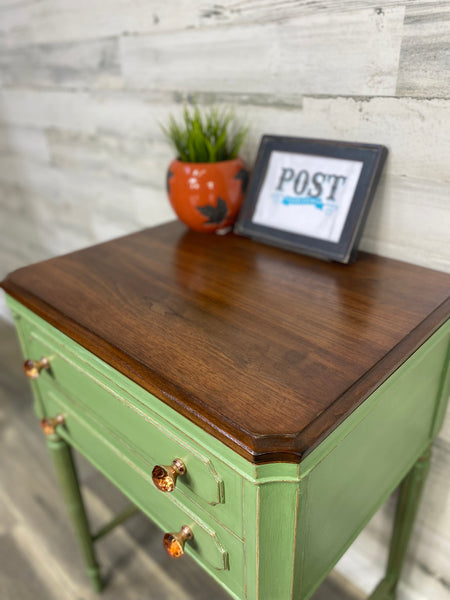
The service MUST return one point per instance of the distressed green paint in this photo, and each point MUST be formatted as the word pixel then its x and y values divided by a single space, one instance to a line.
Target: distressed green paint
pixel 267 531
pixel 21 328
pixel 444 394
pixel 63 463
pixel 359 466
pixel 407 506
pixel 216 549
pixel 276 520
pixel 383 591
pixel 251 542
pixel 126 514
pixel 270 508
pixel 137 426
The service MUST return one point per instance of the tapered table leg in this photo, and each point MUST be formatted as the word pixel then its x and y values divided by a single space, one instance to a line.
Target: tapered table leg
pixel 65 469
pixel 407 506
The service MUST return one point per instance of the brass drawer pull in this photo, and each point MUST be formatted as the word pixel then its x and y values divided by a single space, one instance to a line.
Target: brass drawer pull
pixel 34 367
pixel 49 425
pixel 165 477
pixel 174 542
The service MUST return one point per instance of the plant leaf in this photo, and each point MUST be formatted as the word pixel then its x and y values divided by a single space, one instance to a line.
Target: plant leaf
pixel 204 136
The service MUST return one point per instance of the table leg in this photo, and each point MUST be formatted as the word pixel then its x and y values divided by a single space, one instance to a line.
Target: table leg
pixel 65 469
pixel 407 506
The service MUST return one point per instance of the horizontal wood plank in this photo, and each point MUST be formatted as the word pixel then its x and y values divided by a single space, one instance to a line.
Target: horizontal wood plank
pixel 93 63
pixel 29 142
pixel 293 59
pixel 46 21
pixel 424 67
pixel 395 229
pixel 418 152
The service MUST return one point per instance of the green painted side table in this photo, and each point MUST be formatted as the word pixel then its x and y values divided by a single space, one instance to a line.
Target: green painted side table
pixel 258 405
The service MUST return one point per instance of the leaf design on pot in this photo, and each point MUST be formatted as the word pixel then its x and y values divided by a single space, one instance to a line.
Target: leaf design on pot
pixel 243 176
pixel 216 214
pixel 168 176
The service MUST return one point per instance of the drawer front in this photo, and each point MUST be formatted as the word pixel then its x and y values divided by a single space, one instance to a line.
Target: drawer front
pixel 216 549
pixel 146 438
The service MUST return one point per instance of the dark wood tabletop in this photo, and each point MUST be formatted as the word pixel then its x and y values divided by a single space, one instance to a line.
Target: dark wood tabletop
pixel 265 349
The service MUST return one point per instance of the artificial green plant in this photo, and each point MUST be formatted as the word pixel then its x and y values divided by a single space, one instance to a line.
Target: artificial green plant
pixel 205 136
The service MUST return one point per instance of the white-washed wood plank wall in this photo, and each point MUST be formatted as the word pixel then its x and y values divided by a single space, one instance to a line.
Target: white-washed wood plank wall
pixel 84 86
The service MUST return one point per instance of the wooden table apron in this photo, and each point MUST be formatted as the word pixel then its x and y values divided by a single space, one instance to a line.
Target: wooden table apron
pixel 294 426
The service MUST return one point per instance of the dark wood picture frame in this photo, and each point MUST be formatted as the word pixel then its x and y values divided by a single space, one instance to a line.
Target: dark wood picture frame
pixel 363 161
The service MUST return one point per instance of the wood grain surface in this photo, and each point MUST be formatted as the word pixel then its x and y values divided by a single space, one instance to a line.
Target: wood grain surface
pixel 267 350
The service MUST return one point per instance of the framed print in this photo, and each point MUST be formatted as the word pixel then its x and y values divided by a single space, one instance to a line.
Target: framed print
pixel 311 196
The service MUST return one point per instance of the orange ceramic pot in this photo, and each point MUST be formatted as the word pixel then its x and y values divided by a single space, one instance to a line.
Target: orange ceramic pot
pixel 207 196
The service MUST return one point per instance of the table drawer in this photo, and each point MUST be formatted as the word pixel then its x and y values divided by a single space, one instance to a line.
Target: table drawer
pixel 215 548
pixel 147 439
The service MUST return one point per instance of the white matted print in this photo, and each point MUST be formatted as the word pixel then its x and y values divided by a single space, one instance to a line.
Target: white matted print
pixel 307 194
pixel 311 196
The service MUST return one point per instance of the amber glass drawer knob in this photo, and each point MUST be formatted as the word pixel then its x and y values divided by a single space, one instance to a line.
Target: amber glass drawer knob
pixel 34 367
pixel 49 425
pixel 165 477
pixel 174 542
